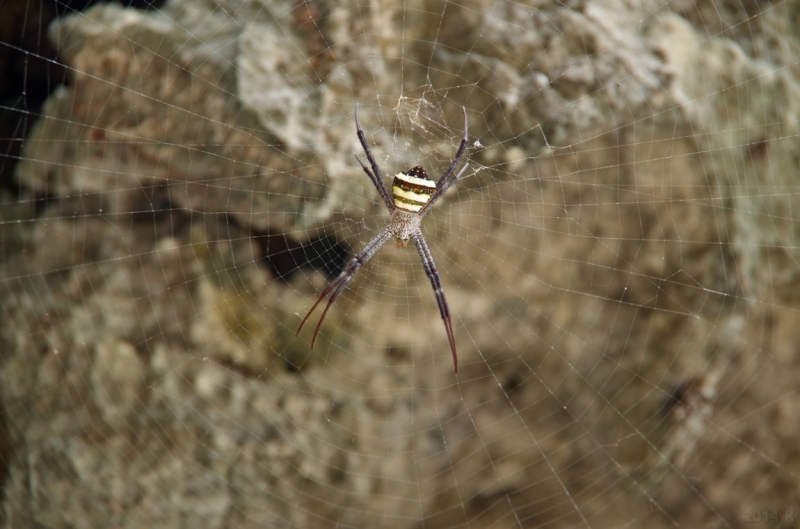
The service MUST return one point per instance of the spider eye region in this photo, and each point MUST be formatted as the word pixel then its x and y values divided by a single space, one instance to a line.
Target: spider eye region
pixel 412 189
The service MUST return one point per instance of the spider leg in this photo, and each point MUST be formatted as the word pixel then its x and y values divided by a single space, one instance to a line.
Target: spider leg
pixel 436 282
pixel 376 175
pixel 448 178
pixel 453 180
pixel 342 279
pixel 378 185
pixel 337 285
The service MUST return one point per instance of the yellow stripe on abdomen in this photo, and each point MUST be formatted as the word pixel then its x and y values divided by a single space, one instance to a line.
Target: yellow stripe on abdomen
pixel 409 200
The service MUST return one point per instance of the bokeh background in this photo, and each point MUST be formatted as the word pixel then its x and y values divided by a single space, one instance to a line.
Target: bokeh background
pixel 620 258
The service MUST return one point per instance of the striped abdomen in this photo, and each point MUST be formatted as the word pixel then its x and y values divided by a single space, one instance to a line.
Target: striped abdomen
pixel 413 189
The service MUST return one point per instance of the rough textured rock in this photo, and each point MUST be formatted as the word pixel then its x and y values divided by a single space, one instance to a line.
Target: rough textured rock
pixel 621 262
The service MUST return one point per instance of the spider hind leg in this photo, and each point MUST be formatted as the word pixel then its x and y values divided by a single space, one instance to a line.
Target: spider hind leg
pixel 337 285
pixel 438 291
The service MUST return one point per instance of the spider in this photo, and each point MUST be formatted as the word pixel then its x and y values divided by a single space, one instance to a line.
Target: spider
pixel 413 194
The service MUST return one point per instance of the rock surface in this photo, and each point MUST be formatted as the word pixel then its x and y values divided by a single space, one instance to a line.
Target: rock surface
pixel 620 261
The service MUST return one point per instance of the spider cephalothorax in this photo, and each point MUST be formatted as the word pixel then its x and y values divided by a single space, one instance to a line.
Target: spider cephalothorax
pixel 413 193
pixel 403 225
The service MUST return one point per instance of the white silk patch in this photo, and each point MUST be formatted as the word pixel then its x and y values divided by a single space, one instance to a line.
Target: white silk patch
pixel 413 180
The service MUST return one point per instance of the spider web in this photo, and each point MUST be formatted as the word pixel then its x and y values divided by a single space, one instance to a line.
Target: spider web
pixel 620 261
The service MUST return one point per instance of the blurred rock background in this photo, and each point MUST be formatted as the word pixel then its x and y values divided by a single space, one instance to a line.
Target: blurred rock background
pixel 621 263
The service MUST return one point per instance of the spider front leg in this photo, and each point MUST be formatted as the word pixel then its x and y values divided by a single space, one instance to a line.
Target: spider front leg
pixel 337 285
pixel 449 177
pixel 375 175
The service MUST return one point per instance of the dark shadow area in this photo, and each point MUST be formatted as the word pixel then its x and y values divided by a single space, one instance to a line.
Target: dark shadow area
pixel 30 71
pixel 284 256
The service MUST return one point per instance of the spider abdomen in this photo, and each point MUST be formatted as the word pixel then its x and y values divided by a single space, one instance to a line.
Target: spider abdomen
pixel 412 189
